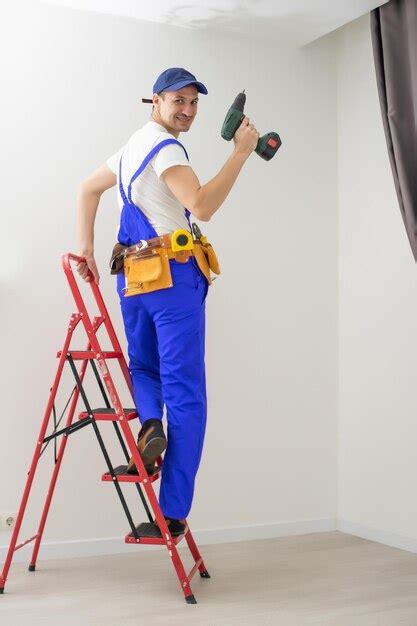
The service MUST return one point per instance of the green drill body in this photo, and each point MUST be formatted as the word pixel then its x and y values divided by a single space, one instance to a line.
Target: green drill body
pixel 267 145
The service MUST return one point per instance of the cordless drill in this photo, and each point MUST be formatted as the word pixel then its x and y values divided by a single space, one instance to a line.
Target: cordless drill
pixel 267 145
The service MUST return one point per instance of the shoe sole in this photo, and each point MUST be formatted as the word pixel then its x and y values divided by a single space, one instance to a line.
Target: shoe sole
pixel 153 449
pixel 150 453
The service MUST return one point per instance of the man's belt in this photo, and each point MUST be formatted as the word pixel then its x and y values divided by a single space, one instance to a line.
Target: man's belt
pixel 179 246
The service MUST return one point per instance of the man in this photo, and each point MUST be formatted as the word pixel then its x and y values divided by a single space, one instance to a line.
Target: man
pixel 165 329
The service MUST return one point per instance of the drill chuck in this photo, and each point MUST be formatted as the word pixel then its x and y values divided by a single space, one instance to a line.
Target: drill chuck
pixel 239 103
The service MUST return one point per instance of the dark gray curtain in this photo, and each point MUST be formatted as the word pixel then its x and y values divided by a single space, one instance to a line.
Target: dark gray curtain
pixel 394 42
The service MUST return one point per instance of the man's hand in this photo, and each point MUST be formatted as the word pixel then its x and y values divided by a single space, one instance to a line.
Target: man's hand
pixel 84 268
pixel 246 137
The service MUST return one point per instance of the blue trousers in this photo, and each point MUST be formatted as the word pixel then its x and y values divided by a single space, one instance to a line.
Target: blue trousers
pixel 165 332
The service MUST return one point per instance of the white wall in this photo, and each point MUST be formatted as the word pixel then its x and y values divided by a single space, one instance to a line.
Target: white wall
pixel 72 85
pixel 377 315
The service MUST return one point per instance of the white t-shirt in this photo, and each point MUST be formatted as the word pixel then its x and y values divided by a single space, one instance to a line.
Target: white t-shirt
pixel 149 192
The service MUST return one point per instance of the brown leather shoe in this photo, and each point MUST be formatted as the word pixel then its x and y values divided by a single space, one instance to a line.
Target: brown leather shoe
pixel 151 443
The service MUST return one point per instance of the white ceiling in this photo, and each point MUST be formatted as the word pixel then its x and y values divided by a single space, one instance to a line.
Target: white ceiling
pixel 296 22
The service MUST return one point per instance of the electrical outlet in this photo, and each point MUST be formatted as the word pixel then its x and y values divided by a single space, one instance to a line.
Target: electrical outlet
pixel 7 521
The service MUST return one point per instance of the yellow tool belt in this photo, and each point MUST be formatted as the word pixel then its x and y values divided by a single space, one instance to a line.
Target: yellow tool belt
pixel 146 264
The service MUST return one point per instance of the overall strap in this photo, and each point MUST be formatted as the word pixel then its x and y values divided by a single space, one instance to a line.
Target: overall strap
pixel 187 215
pixel 121 190
pixel 146 160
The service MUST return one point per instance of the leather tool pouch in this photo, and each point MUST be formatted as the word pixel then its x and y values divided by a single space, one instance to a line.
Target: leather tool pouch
pixel 206 260
pixel 117 257
pixel 202 263
pixel 147 272
pixel 211 258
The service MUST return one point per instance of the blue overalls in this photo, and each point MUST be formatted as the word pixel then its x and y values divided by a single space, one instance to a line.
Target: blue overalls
pixel 165 332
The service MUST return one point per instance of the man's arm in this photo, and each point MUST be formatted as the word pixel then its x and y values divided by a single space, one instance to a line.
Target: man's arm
pixel 204 200
pixel 88 198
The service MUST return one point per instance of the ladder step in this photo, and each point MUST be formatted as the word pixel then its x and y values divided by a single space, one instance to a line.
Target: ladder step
pixel 150 533
pixel 123 477
pixel 108 414
pixel 78 355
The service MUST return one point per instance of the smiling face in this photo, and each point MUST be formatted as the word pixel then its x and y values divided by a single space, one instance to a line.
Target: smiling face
pixel 176 110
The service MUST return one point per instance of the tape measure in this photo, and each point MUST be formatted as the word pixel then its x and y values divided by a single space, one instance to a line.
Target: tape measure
pixel 181 239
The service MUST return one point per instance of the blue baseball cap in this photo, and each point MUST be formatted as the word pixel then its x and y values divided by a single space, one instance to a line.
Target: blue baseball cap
pixel 175 78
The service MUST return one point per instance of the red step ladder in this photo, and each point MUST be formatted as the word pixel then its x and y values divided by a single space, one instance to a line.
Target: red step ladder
pixel 146 532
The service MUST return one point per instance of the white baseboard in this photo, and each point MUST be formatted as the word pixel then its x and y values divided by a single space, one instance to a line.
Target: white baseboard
pixel 375 534
pixel 116 545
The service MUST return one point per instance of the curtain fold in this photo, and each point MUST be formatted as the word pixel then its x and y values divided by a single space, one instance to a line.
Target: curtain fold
pixel 394 43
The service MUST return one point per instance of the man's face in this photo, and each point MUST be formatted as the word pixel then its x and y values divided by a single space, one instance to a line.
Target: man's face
pixel 178 108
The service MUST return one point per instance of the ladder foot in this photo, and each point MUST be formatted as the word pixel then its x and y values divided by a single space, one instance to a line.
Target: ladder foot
pixel 190 599
pixel 31 568
pixel 205 574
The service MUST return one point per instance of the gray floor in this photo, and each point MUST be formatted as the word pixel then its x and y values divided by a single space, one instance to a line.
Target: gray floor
pixel 326 579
